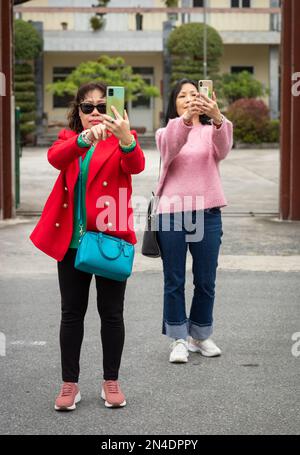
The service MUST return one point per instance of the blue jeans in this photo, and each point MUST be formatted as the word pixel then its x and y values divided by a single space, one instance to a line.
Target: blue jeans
pixel 173 244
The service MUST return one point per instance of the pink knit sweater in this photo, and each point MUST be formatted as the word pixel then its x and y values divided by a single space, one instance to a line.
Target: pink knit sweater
pixel 190 174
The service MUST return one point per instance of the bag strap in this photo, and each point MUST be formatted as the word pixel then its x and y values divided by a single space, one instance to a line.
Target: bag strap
pixel 153 203
pixel 159 166
pixel 152 208
pixel 79 198
pixel 119 242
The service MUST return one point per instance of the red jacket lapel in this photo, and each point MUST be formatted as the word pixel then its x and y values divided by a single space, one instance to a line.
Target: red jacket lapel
pixel 102 153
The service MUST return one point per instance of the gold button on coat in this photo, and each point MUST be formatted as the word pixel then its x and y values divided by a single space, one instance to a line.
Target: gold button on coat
pixel 106 203
pixel 65 206
pixel 104 183
pixel 57 224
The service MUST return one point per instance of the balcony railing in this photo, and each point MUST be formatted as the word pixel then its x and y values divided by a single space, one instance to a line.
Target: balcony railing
pixel 223 19
pixel 82 9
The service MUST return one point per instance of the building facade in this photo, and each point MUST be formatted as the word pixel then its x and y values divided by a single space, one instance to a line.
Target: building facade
pixel 250 30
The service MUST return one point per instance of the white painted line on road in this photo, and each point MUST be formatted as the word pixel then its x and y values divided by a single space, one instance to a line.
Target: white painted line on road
pixel 260 263
pixel 249 263
pixel 28 343
pixel 14 222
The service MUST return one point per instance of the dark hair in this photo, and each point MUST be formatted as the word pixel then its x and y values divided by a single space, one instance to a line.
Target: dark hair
pixel 172 110
pixel 74 120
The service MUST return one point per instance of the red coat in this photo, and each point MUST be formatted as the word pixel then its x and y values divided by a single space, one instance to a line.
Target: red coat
pixel 110 170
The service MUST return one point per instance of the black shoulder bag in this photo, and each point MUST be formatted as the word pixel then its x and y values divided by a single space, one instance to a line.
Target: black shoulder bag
pixel 150 246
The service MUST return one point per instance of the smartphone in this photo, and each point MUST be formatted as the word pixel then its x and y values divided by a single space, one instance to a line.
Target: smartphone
pixel 115 96
pixel 206 87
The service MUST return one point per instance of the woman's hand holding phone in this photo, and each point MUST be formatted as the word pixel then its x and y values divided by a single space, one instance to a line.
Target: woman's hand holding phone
pixel 210 108
pixel 97 133
pixel 119 126
pixel 194 108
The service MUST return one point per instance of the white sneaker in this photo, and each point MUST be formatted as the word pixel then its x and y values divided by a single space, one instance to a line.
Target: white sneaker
pixel 179 353
pixel 206 347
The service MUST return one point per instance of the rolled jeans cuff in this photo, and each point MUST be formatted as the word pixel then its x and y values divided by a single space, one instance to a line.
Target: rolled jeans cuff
pixel 200 332
pixel 176 331
pixel 187 328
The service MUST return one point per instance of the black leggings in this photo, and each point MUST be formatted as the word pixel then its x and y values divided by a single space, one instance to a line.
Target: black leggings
pixel 74 288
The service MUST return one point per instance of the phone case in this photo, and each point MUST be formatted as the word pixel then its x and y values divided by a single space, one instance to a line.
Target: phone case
pixel 206 87
pixel 115 96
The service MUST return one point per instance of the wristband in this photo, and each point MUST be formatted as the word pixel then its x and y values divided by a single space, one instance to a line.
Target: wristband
pixel 83 140
pixel 129 147
pixel 190 123
pixel 219 124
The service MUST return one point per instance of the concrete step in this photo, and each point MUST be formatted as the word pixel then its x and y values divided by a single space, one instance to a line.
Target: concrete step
pixel 147 141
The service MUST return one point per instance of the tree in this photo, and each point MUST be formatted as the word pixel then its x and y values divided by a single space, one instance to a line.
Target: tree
pixel 28 45
pixel 185 45
pixel 111 71
pixel 25 98
pixel 27 41
pixel 233 87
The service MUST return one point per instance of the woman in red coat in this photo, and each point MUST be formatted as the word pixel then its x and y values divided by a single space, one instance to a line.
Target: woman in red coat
pixel 110 154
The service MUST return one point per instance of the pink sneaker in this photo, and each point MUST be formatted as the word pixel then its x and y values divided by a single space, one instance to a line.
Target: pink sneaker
pixel 112 394
pixel 68 397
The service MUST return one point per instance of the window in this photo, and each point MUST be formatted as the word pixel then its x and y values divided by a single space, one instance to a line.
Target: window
pixel 139 21
pixel 239 69
pixel 60 73
pixel 198 3
pixel 240 3
pixel 147 74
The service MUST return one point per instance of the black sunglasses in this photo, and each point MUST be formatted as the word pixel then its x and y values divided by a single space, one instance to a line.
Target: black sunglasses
pixel 87 108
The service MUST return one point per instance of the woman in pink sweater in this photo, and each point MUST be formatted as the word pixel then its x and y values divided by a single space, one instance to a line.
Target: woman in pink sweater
pixel 189 216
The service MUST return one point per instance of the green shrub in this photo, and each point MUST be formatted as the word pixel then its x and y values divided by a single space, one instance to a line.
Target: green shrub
pixel 26 107
pixel 233 87
pixel 185 45
pixel 25 98
pixel 24 78
pixel 27 128
pixel 24 68
pixel 28 43
pixel 28 117
pixel 273 132
pixel 24 86
pixel 250 118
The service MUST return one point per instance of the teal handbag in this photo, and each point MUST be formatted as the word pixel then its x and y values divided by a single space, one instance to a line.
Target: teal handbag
pixel 102 254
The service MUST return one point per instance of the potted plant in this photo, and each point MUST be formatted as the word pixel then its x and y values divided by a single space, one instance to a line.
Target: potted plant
pixel 172 4
pixel 97 22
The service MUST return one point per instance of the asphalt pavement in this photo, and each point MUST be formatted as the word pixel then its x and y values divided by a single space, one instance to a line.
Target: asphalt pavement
pixel 253 388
